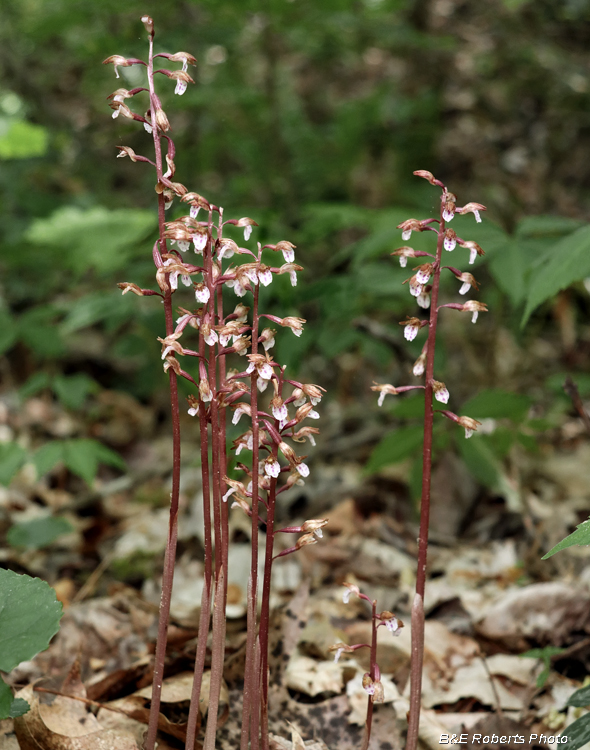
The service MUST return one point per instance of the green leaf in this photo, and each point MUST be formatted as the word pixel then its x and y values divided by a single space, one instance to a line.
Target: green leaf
pixel 12 457
pixel 581 537
pixel 5 700
pixel 409 407
pixel 38 533
pixel 8 331
pixel 563 264
pixel 96 237
pixel 83 456
pixel 580 698
pixel 73 390
pixel 29 618
pixel 23 140
pixel 578 733
pixel 545 655
pixel 495 403
pixel 395 447
pixel 19 707
pixel 546 226
pixel 48 456
pixel 480 461
pixel 10 707
pixel 37 382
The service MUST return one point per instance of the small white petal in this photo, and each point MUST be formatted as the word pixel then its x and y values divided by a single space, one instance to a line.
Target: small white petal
pixel 442 395
pixel 239 289
pixel 299 402
pixel 477 216
pixel 449 244
pixel 200 241
pixel 410 332
pixel 381 398
pixel 181 87
pixel 313 414
pixel 474 317
pixel 447 215
pixel 194 212
pixel 468 433
pixel 211 338
pixel 418 369
pixel 247 232
pixel 281 413
pixel 174 280
pixel 423 300
pixel 262 384
pixel 265 277
pixel 293 276
pixel 265 371
pixel 272 469
pixel 193 412
pixel 406 234
pixel 472 255
pixel 228 493
pixel 303 469
pixel 116 114
pixel 147 127
pixel 415 289
pixel 183 245
pixel 268 344
pixel 422 277
pixel 203 294
pixel 403 261
pixel 465 288
pixel 237 416
pixel 370 689
pixel 289 255
pixel 250 368
pixel 346 596
pixel 252 275
pixel 338 654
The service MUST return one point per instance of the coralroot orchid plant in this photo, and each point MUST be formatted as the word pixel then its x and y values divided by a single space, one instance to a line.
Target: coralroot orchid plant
pixel 372 684
pixel 218 334
pixel 424 285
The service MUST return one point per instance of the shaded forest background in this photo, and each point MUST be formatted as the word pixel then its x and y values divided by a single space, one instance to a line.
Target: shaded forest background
pixel 310 117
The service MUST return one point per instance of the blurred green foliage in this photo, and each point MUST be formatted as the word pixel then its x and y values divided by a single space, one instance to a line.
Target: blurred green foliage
pixel 310 117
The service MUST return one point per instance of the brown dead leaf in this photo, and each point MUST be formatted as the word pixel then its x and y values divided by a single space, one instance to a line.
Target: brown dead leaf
pixel 68 726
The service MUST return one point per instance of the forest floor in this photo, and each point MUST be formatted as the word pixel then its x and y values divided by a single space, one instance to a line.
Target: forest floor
pixel 507 635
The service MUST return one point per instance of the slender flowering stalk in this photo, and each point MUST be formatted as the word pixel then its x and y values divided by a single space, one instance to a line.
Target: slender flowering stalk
pixel 193 251
pixel 424 285
pixel 372 684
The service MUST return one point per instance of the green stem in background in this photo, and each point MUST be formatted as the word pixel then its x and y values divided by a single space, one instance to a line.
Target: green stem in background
pixel 417 620
pixel 170 552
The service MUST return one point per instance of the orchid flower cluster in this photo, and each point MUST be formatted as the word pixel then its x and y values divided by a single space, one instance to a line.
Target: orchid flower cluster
pixel 220 332
pixel 372 684
pixel 424 286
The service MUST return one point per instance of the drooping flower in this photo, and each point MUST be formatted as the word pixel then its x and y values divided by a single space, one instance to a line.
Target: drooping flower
pixel 383 391
pixel 441 392
pixel 450 240
pixel 412 326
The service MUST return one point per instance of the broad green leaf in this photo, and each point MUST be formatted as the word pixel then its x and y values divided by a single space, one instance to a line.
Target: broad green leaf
pixel 581 537
pixel 37 382
pixel 29 618
pixel 83 456
pixel 95 308
pixel 480 461
pixel 578 733
pixel 12 457
pixel 73 390
pixel 566 262
pixel 546 226
pixel 580 698
pixel 38 533
pixel 93 238
pixel 23 140
pixel 394 447
pixel 48 456
pixel 11 707
pixel 495 403
pixel 408 406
